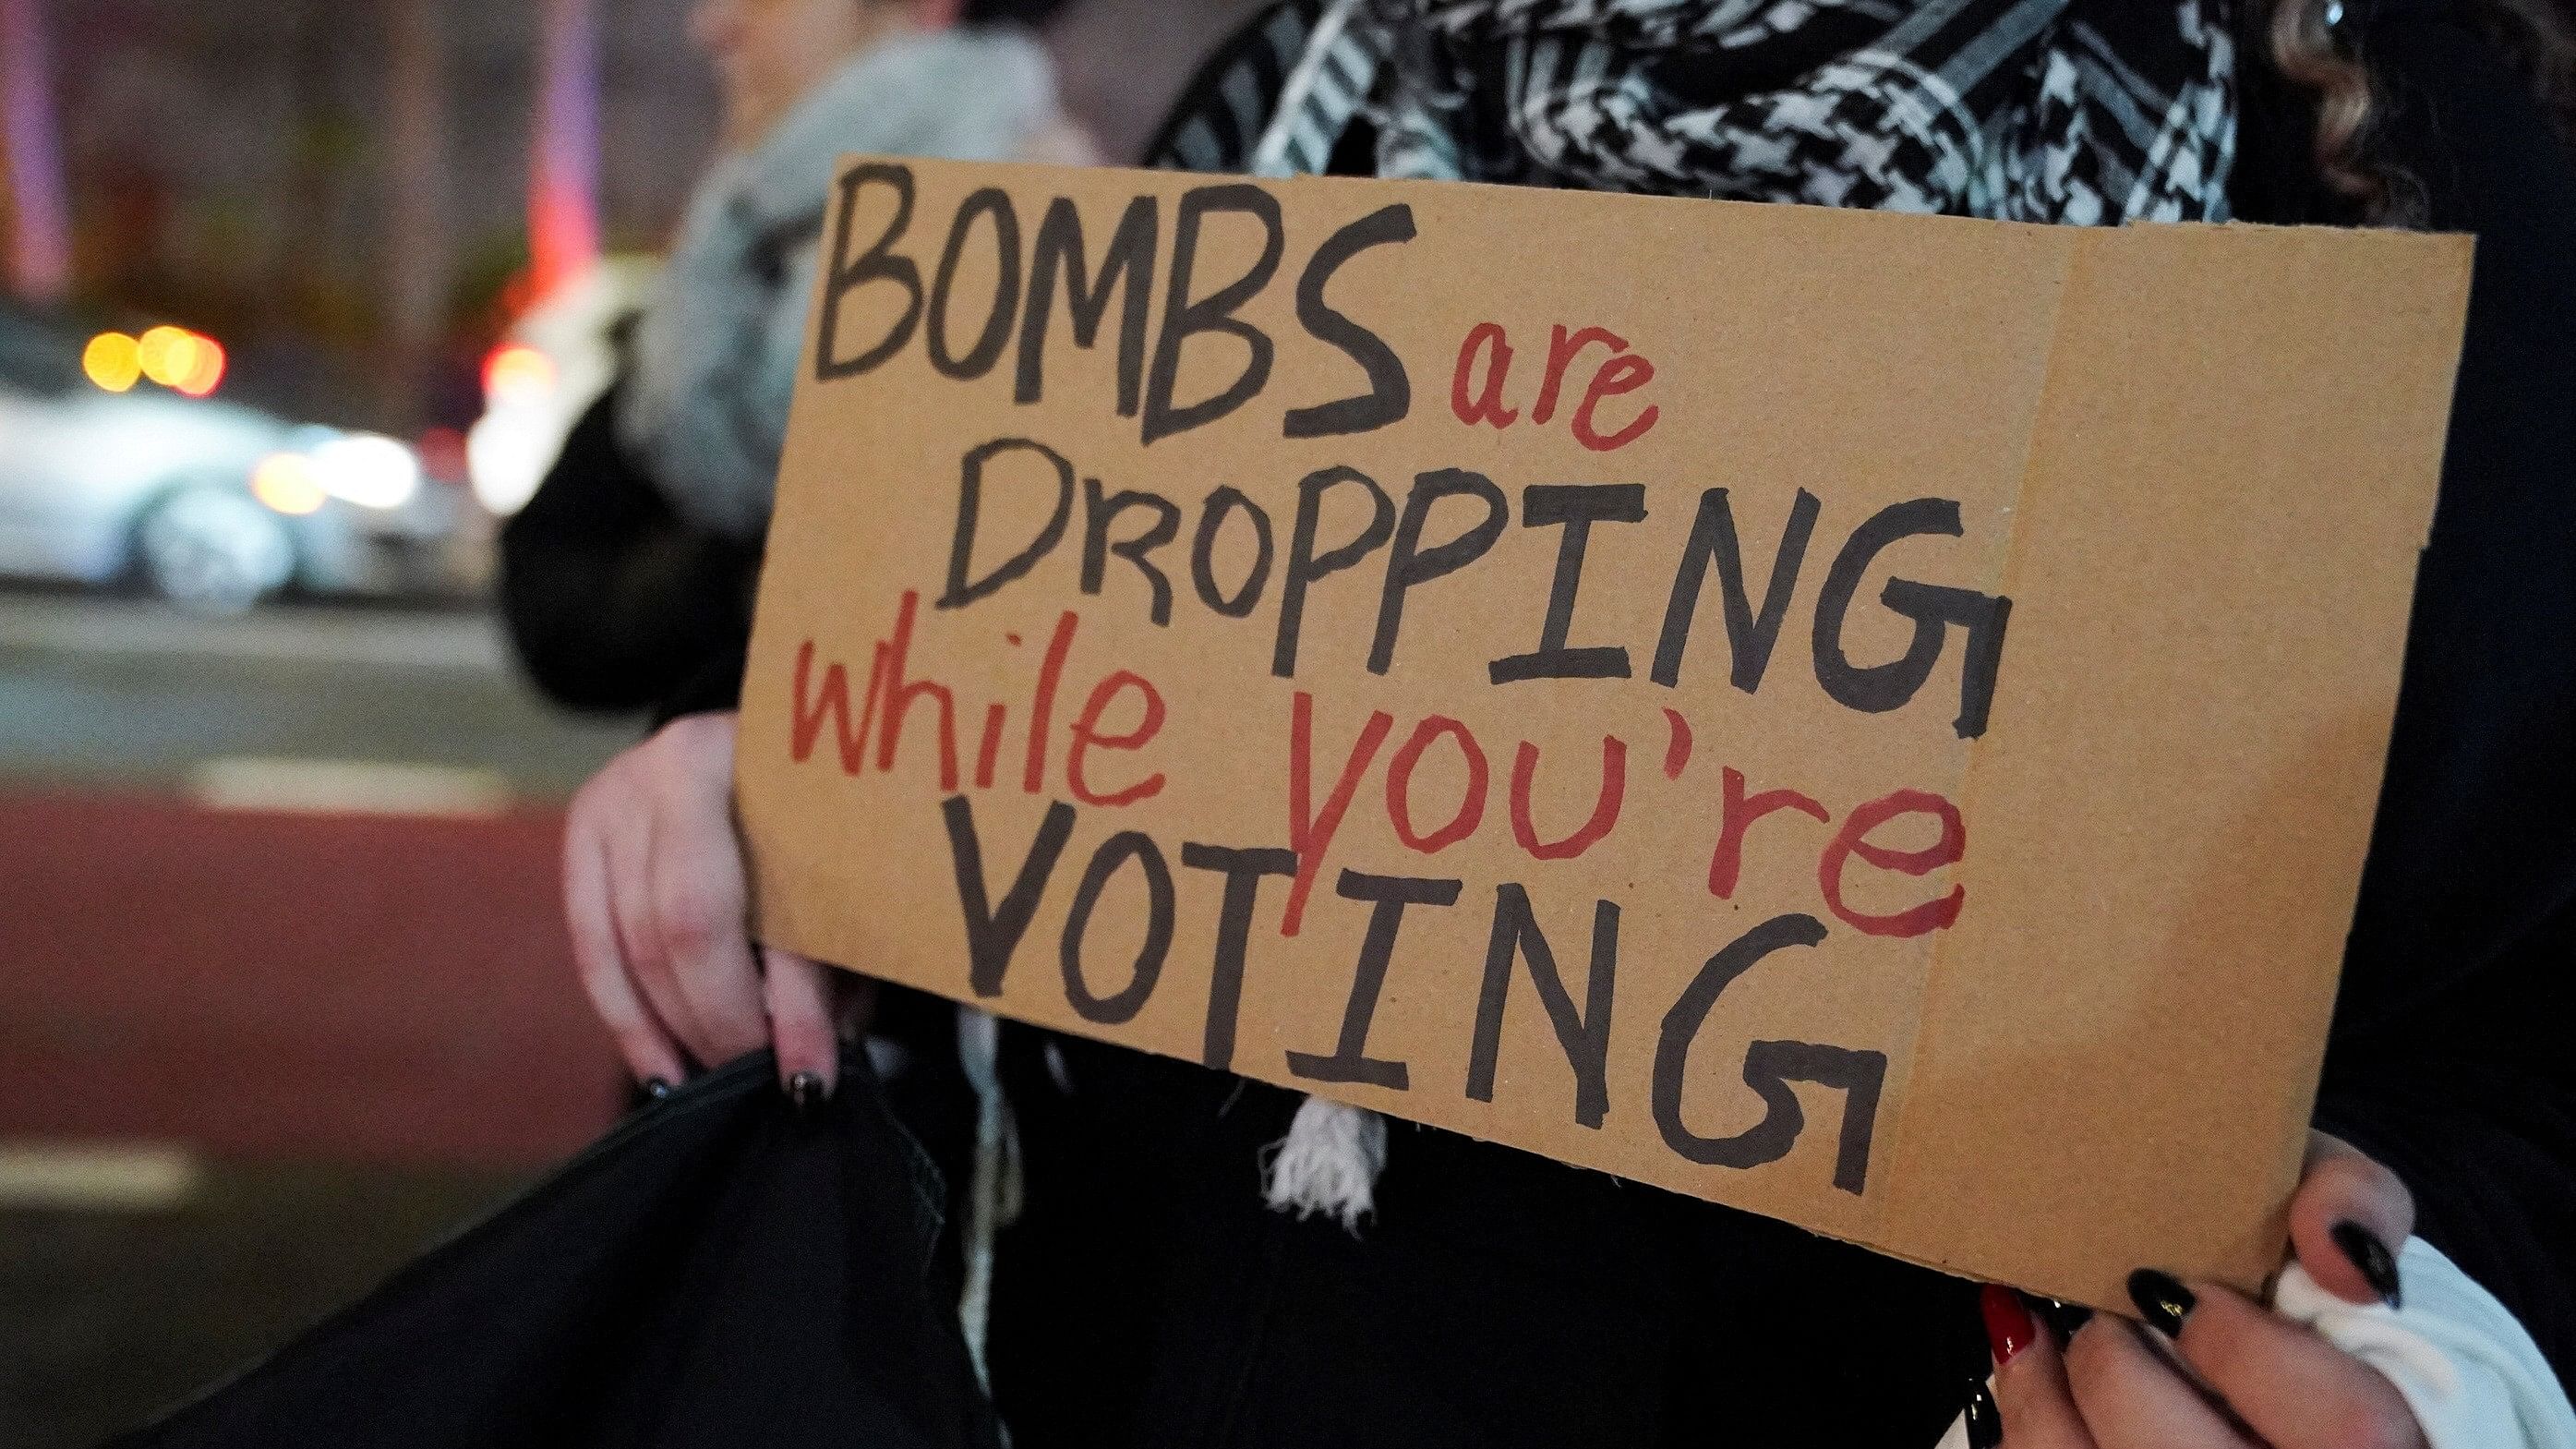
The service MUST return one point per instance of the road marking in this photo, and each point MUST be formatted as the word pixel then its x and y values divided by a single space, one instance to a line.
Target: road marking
pixel 97 1176
pixel 449 640
pixel 347 787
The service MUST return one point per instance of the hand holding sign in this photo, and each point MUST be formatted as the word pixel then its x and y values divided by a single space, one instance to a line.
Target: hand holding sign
pixel 654 898
pixel 1698 691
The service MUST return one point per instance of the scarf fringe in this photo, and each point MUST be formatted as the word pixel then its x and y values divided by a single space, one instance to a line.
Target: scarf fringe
pixel 1328 1163
pixel 994 1202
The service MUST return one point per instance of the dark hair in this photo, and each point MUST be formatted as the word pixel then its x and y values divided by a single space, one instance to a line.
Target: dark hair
pixel 2304 48
pixel 2539 38
pixel 1031 13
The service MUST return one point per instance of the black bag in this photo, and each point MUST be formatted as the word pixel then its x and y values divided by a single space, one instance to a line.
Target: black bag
pixel 720 1269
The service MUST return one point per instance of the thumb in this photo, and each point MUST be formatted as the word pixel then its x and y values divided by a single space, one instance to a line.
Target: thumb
pixel 2347 1221
pixel 799 994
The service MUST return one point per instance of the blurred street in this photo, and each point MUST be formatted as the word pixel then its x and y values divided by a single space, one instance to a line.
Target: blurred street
pixel 131 691
pixel 109 1316
pixel 300 304
pixel 283 991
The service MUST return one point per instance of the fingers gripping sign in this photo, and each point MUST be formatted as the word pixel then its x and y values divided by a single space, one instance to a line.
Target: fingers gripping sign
pixel 2207 1366
pixel 656 905
pixel 2347 1220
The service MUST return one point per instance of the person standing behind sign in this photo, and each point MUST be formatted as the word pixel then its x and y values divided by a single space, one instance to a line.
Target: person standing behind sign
pixel 1497 1299
pixel 626 581
pixel 631 568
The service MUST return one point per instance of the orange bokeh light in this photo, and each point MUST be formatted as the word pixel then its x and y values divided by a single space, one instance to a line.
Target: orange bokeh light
pixel 181 360
pixel 285 482
pixel 113 361
pixel 516 374
pixel 205 367
pixel 166 354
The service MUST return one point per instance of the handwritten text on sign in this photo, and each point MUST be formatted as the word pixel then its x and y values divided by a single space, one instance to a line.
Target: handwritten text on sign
pixel 1487 672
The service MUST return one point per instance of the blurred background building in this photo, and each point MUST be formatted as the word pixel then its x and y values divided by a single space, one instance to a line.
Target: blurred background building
pixel 300 296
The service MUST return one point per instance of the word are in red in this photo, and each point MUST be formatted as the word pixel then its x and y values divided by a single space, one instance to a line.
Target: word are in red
pixel 1481 383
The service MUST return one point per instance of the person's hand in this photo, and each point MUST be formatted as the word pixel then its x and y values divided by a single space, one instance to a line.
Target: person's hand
pixel 654 895
pixel 2215 1370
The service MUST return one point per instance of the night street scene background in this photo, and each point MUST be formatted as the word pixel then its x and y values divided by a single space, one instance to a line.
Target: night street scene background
pixel 301 296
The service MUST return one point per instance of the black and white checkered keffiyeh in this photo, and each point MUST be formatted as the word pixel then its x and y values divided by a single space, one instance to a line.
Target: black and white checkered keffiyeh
pixel 2088 112
pixel 2082 111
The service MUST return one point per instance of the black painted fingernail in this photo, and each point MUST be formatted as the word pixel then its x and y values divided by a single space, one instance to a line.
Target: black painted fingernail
pixel 657 1088
pixel 2368 1254
pixel 1985 1421
pixel 805 1089
pixel 2063 1318
pixel 2162 1300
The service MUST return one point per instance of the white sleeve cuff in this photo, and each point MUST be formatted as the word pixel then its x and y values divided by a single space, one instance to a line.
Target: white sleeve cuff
pixel 2465 1365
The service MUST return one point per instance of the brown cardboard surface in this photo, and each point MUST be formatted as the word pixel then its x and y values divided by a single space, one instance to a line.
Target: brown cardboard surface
pixel 2042 995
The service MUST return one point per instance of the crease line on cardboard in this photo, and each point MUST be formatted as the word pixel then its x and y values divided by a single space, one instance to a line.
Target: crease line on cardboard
pixel 2079 241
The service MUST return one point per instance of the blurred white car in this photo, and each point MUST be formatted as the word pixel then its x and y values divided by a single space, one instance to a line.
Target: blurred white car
pixel 555 362
pixel 106 476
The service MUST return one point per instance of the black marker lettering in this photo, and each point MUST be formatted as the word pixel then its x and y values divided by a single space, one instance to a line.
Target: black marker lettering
pixel 1879 688
pixel 1390 394
pixel 993 934
pixel 970 503
pixel 1749 636
pixel 1769 1068
pixel 1221 504
pixel 1099 514
pixel 1574 507
pixel 1243 870
pixel 1130 258
pixel 1390 894
pixel 989 201
pixel 875 264
pixel 1409 564
pixel 1185 317
pixel 1584 1034
pixel 1114 852
pixel 1305 565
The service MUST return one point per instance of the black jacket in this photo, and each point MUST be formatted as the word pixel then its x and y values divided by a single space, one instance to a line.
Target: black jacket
pixel 614 601
pixel 2449 1059
pixel 720 1270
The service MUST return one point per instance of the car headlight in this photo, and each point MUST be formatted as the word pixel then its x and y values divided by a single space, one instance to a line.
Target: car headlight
pixel 506 457
pixel 285 482
pixel 366 469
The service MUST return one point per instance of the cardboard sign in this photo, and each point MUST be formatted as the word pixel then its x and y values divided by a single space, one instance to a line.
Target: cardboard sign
pixel 1870 719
